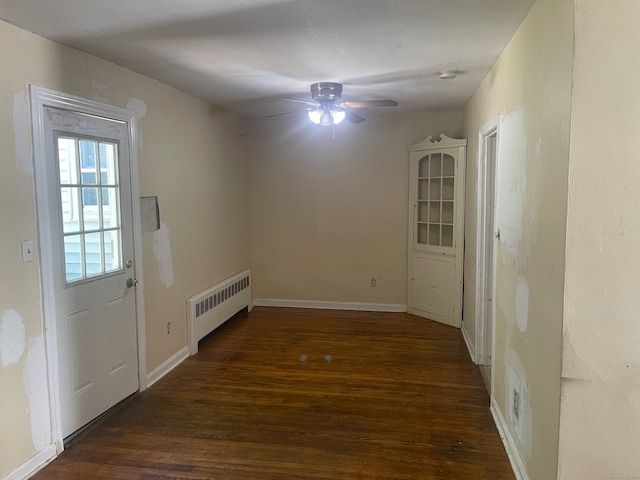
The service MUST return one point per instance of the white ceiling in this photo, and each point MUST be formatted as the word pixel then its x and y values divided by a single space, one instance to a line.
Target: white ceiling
pixel 245 55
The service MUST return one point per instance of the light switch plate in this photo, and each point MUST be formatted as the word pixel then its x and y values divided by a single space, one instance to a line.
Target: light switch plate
pixel 27 251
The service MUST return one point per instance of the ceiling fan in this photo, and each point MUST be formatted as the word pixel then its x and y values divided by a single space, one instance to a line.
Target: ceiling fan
pixel 328 110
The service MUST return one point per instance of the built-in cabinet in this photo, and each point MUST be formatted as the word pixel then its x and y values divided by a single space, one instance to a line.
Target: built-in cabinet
pixel 436 229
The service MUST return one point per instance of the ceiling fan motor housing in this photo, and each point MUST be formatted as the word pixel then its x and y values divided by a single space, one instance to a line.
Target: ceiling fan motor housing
pixel 326 91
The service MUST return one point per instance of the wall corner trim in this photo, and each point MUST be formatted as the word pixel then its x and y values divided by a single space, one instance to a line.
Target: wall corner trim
pixel 34 464
pixel 364 307
pixel 166 366
pixel 467 340
pixel 509 445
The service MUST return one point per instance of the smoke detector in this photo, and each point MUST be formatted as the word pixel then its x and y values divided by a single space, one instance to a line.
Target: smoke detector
pixel 448 74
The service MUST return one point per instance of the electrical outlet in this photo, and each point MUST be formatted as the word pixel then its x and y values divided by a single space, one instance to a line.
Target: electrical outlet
pixel 373 282
pixel 168 328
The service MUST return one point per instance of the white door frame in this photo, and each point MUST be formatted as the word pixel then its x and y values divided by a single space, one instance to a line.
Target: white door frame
pixel 485 254
pixel 40 98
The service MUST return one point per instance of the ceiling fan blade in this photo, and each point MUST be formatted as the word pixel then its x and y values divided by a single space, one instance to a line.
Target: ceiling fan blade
pixel 311 104
pixel 353 117
pixel 285 113
pixel 371 103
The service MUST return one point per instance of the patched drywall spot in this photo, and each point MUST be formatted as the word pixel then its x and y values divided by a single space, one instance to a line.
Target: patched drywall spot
pixel 22 133
pixel 139 108
pixel 100 91
pixel 34 377
pixel 522 304
pixel 512 180
pixel 538 147
pixel 162 252
pixel 12 337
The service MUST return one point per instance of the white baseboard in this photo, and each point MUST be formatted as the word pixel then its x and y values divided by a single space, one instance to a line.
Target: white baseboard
pixel 364 307
pixel 512 452
pixel 166 366
pixel 467 340
pixel 35 463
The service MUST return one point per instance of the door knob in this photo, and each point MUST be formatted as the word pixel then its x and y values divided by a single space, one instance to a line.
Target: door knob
pixel 132 283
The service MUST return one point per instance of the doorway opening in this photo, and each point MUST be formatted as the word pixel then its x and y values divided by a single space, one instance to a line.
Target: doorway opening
pixel 89 238
pixel 487 161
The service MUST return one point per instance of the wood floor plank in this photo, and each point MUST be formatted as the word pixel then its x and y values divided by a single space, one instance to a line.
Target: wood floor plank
pixel 304 394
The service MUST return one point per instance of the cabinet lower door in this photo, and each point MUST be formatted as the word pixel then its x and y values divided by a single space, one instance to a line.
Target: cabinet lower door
pixel 433 287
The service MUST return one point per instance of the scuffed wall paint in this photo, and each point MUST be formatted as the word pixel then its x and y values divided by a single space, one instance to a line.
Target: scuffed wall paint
pixel 100 91
pixel 22 133
pixel 511 185
pixel 139 108
pixel 162 253
pixel 522 304
pixel 12 338
pixel 35 386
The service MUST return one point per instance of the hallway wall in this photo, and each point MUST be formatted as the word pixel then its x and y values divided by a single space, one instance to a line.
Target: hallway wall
pixel 600 410
pixel 530 88
pixel 190 156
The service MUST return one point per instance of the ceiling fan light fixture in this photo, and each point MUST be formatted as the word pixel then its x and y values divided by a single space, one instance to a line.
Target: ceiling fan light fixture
pixel 326 119
pixel 315 115
pixel 328 110
pixel 338 115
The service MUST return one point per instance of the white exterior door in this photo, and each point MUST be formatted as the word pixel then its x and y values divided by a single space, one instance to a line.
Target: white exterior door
pixel 436 220
pixel 90 211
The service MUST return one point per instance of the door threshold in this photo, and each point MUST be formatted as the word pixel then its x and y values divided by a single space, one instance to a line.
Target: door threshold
pixel 76 436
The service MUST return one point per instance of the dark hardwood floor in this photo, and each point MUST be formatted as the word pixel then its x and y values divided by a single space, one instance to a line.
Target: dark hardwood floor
pixel 304 394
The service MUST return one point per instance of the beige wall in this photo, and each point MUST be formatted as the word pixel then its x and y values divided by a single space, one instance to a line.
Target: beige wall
pixel 600 410
pixel 328 215
pixel 191 158
pixel 530 88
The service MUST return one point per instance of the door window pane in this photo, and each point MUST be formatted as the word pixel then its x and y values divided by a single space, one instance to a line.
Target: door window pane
pixel 88 155
pixel 112 251
pixel 93 253
pixel 89 193
pixel 108 163
pixel 69 201
pixel 73 257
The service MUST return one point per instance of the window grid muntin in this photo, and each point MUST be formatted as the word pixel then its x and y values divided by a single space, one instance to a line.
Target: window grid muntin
pixel 103 171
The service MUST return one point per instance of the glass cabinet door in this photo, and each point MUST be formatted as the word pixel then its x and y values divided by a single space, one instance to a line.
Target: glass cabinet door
pixel 435 201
